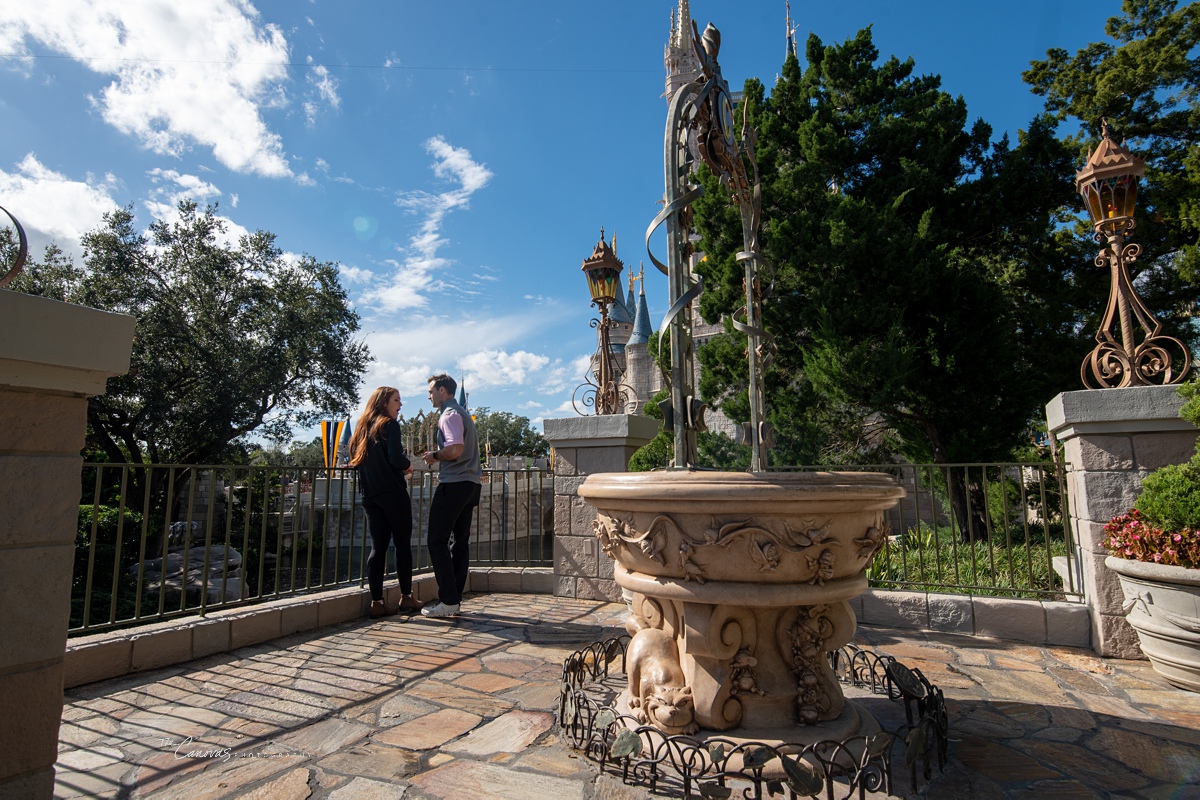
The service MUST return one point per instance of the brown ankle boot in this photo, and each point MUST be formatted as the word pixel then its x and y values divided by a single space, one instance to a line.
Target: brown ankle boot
pixel 409 605
pixel 379 608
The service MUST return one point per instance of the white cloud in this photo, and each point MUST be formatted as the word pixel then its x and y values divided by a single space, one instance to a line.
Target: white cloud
pixel 170 186
pixel 487 368
pixel 414 278
pixel 355 274
pixel 52 207
pixel 326 89
pixel 171 88
pixel 566 375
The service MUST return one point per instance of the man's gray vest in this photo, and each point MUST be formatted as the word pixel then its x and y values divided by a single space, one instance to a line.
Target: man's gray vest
pixel 466 467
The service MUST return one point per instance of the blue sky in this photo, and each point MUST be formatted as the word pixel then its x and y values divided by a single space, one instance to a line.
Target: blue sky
pixel 458 159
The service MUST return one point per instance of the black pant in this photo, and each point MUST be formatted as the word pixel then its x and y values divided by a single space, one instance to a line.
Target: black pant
pixel 389 520
pixel 450 513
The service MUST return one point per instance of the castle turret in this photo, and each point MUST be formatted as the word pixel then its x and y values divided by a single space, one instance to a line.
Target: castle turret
pixel 642 378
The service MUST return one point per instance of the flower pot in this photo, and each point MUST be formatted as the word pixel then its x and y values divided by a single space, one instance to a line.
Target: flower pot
pixel 1163 606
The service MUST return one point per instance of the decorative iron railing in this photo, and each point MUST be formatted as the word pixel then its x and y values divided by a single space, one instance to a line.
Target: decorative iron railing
pixel 897 759
pixel 157 541
pixel 997 529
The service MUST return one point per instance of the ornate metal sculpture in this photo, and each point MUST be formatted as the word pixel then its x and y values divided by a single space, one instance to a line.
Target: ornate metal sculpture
pixel 1108 185
pixel 700 117
pixel 22 251
pixel 603 390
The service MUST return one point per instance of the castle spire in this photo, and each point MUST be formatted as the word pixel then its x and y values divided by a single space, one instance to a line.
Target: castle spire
pixel 791 31
pixel 680 58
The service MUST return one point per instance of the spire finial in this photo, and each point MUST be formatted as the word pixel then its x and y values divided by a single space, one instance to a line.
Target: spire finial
pixel 602 233
pixel 1104 132
pixel 641 277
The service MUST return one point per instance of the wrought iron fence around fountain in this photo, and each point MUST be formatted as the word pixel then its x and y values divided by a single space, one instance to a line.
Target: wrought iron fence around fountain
pixel 910 745
pixel 991 529
pixel 157 541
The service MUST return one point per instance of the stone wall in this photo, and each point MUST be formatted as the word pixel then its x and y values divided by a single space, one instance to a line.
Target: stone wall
pixel 1113 438
pixel 584 446
pixel 52 356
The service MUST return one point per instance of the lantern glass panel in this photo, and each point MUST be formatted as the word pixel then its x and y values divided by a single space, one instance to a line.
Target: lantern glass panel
pixel 1090 192
pixel 602 283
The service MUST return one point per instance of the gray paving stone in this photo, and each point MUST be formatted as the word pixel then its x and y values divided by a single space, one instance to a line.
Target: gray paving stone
pixel 510 733
pixel 367 789
pixel 461 779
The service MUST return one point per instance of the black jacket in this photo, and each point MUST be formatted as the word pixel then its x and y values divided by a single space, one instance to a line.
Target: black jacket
pixel 382 471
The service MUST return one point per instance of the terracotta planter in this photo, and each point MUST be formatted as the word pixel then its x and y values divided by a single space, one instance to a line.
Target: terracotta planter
pixel 1163 606
pixel 739 585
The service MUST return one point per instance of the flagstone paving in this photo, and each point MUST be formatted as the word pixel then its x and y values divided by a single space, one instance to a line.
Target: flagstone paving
pixel 414 708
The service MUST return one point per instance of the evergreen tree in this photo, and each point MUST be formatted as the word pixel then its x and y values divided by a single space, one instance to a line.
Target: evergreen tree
pixel 1146 83
pixel 922 301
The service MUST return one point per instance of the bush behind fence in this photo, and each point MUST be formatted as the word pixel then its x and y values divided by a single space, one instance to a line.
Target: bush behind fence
pixel 995 529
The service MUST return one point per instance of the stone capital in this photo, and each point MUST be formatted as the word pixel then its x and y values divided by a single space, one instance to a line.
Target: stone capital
pixel 50 346
pixel 612 430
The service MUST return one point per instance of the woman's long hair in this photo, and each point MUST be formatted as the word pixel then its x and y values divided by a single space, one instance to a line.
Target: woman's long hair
pixel 370 423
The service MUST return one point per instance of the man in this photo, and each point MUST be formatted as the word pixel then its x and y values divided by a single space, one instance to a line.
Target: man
pixel 459 481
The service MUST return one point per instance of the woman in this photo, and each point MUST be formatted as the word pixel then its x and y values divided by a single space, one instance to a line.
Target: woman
pixel 377 452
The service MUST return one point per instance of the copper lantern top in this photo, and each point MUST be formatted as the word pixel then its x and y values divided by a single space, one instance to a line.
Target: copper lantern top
pixel 1108 184
pixel 603 272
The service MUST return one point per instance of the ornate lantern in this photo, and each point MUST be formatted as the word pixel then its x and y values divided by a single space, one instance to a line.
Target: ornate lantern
pixel 602 390
pixel 1108 184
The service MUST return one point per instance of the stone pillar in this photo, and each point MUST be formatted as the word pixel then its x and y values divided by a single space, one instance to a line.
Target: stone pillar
pixel 583 446
pixel 52 357
pixel 1113 438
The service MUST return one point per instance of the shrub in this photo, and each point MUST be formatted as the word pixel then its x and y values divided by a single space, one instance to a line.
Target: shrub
pixel 1164 525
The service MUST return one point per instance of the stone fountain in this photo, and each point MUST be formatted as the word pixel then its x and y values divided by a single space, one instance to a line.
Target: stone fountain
pixel 738 583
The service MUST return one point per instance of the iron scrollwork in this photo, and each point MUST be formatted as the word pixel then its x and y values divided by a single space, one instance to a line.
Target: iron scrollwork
pixel 705 767
pixel 18 263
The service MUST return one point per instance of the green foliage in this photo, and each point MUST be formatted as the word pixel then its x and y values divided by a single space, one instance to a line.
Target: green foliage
pixel 298 454
pixel 230 338
pixel 508 434
pixel 716 450
pixel 1145 79
pixel 661 449
pixel 922 303
pixel 1170 496
pixel 933 559
pixel 110 572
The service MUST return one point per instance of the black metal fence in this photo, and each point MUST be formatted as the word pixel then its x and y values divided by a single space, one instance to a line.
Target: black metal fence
pixel 978 529
pixel 162 540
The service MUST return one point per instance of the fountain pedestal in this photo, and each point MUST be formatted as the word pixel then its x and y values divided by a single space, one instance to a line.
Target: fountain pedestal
pixel 738 586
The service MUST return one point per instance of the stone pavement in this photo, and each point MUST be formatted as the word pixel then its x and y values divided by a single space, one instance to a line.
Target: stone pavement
pixel 463 708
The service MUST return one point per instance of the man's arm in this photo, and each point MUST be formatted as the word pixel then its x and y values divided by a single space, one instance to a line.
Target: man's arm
pixel 451 426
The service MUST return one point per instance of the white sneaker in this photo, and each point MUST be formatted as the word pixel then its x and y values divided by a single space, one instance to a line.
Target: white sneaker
pixel 439 609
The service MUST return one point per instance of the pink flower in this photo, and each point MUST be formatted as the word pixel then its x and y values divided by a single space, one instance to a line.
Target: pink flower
pixel 1158 557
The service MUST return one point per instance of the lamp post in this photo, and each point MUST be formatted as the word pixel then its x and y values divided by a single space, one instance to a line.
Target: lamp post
pixel 603 273
pixel 1108 184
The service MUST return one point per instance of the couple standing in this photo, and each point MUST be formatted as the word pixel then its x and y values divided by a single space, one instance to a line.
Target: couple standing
pixel 377 452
